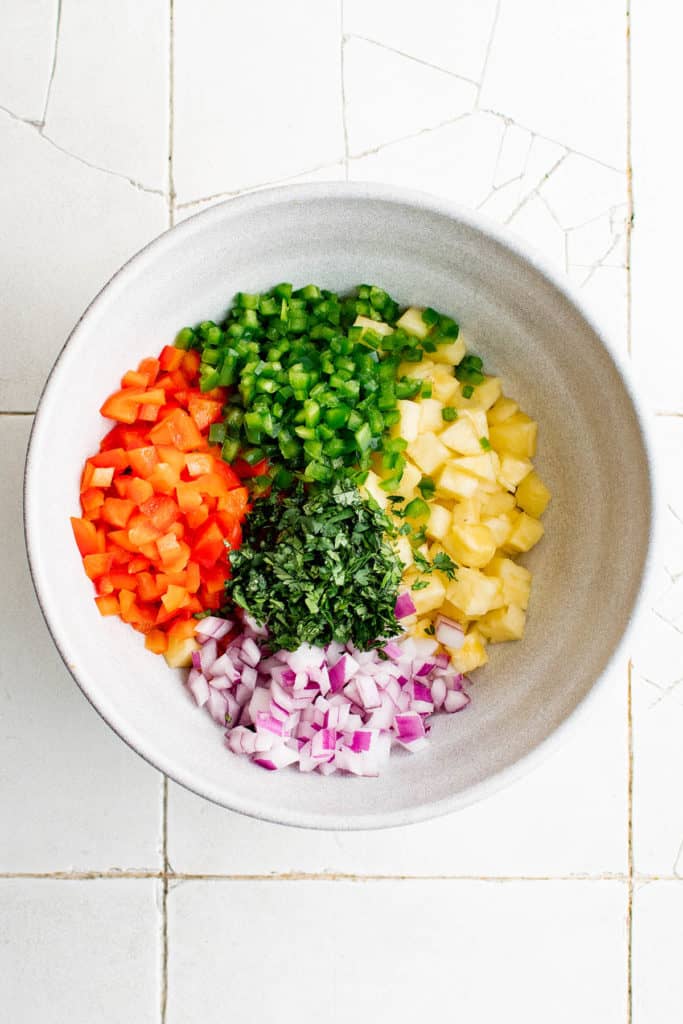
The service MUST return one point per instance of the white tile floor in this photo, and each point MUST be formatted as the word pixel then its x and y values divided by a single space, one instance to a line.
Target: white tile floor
pixel 559 898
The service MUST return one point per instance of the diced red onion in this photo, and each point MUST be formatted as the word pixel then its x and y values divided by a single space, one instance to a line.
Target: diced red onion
pixel 213 627
pixel 326 710
pixel 455 700
pixel 404 606
pixel 449 633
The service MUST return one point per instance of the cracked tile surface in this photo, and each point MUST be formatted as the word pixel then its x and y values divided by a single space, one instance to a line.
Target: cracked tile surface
pixel 560 70
pixel 246 120
pixel 113 120
pixel 68 227
pixel 27 46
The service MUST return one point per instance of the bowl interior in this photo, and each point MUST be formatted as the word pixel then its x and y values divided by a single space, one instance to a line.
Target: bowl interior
pixel 591 453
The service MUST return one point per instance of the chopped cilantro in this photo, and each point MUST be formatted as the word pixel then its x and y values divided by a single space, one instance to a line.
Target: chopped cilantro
pixel 318 566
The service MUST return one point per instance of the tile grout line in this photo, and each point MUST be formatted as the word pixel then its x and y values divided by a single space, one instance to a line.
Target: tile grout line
pixel 164 876
pixel 168 875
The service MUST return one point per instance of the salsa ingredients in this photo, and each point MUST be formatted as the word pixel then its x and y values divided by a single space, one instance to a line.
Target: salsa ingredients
pixel 321 708
pixel 160 506
pixel 315 377
pixel 316 566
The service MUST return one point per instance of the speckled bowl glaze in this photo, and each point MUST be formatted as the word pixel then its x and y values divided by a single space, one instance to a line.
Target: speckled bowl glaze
pixel 525 323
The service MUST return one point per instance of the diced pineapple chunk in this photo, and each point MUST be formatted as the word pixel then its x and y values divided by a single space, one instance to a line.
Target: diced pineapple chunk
pixel 444 384
pixel 515 580
pixel 429 597
pixel 470 544
pixel 423 628
pixel 461 437
pixel 430 415
pixel 412 323
pixel 453 483
pixel 500 527
pixel 478 465
pixel 450 354
pixel 418 371
pixel 502 410
pixel 503 624
pixel 439 522
pixel 483 396
pixel 533 495
pixel 428 452
pixel 512 470
pixel 408 426
pixel 526 532
pixel 468 510
pixel 372 489
pixel 404 550
pixel 378 326
pixel 178 654
pixel 471 655
pixel 498 503
pixel 409 481
pixel 516 435
pixel 473 593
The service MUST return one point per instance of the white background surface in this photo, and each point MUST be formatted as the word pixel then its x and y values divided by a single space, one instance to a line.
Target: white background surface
pixel 559 899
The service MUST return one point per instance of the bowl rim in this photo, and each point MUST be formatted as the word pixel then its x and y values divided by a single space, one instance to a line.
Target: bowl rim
pixel 547 270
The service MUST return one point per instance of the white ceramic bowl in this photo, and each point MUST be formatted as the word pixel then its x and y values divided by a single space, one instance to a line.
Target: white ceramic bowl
pixel 522 320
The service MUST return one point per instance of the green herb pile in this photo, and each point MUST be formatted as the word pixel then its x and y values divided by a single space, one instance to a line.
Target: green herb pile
pixel 318 566
pixel 313 393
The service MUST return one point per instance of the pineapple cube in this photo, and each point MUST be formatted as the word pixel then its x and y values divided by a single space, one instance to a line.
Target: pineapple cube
pixel 516 435
pixel 453 483
pixel 418 371
pixel 450 354
pixel 404 550
pixel 372 489
pixel 533 495
pixel 468 510
pixel 462 437
pixel 500 527
pixel 515 580
pixel 178 654
pixel 526 532
pixel 408 427
pixel 503 624
pixel 498 503
pixel 439 522
pixel 412 323
pixel 478 465
pixel 430 597
pixel 502 410
pixel 378 326
pixel 428 452
pixel 512 470
pixel 430 415
pixel 419 629
pixel 483 396
pixel 470 544
pixel 444 385
pixel 472 593
pixel 471 655
pixel 409 481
